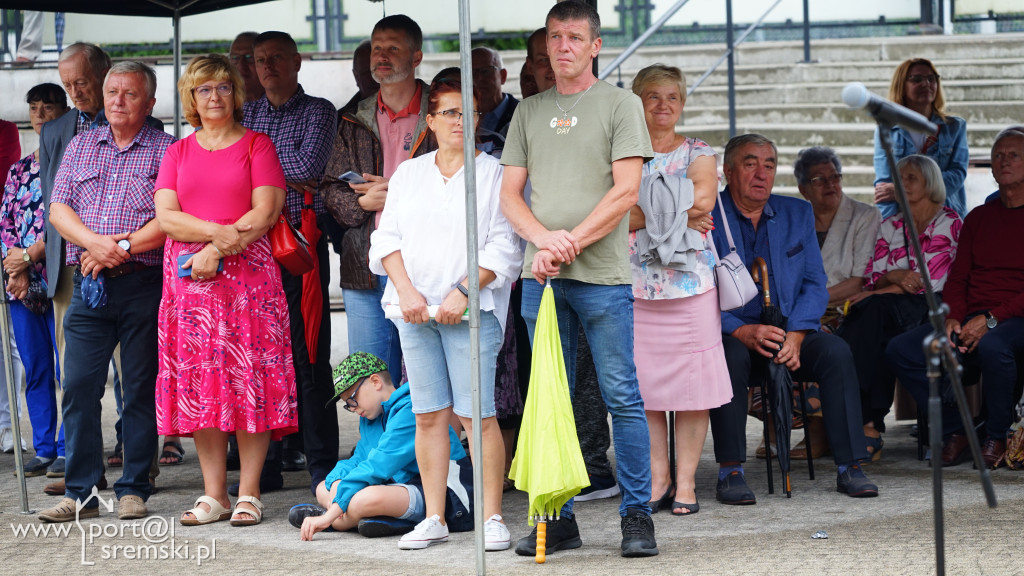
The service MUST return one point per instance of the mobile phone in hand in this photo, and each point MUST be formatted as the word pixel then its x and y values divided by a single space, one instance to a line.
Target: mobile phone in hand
pixel 183 272
pixel 352 178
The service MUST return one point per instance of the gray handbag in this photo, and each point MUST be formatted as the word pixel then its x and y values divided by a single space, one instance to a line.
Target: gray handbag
pixel 735 286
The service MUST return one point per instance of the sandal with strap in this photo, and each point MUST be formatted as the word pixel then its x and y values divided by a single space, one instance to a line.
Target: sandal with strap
pixel 216 513
pixel 172 458
pixel 256 513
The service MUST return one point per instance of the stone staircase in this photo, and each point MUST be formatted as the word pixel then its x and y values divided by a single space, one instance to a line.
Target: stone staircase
pixel 799 105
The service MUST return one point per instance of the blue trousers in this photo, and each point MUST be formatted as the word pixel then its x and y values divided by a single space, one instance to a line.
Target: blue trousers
pixel 996 355
pixel 129 318
pixel 606 315
pixel 37 346
pixel 368 329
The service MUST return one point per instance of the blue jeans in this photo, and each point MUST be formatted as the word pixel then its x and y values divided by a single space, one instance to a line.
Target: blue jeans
pixel 606 315
pixel 37 347
pixel 368 329
pixel 437 361
pixel 130 317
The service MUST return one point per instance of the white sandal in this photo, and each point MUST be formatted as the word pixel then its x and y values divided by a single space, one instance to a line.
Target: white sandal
pixel 256 513
pixel 216 513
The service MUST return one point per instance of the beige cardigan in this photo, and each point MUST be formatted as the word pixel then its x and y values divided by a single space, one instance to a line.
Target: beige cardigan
pixel 850 241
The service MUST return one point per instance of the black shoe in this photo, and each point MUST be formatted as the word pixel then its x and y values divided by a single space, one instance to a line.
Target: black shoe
pixel 600 487
pixel 300 512
pixel 733 490
pixel 56 469
pixel 562 534
pixel 638 535
pixel 855 483
pixel 293 461
pixel 378 526
pixel 36 466
pixel 267 484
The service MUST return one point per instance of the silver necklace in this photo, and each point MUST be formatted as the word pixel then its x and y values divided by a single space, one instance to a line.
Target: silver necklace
pixel 565 113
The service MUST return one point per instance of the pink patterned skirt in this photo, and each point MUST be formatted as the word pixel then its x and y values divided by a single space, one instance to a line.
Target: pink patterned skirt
pixel 680 362
pixel 225 347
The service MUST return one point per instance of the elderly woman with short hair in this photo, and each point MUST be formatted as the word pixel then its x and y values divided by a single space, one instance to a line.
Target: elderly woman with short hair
pixel 893 298
pixel 224 341
pixel 680 362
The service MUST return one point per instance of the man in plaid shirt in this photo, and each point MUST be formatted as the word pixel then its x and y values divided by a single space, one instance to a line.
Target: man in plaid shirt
pixel 302 128
pixel 102 204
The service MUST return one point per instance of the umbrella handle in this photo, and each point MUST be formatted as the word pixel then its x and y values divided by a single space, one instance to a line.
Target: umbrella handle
pixel 542 539
pixel 759 272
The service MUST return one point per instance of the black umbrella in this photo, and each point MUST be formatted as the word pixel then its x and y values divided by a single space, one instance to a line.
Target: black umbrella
pixel 780 381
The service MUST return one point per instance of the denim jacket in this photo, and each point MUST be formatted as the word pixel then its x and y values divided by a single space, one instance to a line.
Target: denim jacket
pixel 950 153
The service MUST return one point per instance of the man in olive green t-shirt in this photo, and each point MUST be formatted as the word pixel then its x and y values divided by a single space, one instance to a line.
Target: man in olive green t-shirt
pixel 582 144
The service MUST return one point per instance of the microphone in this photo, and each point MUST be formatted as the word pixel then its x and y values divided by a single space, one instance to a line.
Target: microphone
pixel 856 95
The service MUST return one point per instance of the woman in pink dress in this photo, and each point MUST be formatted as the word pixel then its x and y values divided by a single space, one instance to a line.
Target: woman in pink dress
pixel 677 324
pixel 224 340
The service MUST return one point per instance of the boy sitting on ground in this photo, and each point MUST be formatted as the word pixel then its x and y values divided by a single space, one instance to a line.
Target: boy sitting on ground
pixel 377 490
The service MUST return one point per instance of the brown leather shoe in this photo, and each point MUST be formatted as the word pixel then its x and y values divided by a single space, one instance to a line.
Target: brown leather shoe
pixel 58 488
pixel 954 450
pixel 992 452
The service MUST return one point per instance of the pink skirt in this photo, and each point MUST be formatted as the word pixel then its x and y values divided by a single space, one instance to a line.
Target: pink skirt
pixel 680 362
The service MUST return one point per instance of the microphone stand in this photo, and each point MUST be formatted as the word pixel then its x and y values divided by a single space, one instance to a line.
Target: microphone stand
pixel 939 356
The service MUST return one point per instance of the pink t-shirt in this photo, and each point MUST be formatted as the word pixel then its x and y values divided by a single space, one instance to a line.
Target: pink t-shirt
pixel 218 185
pixel 397 131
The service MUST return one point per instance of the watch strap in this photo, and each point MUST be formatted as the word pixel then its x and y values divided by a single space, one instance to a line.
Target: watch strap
pixel 463 289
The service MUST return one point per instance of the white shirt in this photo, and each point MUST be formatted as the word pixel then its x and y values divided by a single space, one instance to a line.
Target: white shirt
pixel 424 218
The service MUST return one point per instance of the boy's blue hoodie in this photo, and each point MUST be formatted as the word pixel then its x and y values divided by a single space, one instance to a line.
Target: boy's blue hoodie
pixel 386 451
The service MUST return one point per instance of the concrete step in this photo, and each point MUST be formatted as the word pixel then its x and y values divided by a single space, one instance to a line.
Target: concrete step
pixel 831 92
pixel 979 136
pixel 829 72
pixel 985 112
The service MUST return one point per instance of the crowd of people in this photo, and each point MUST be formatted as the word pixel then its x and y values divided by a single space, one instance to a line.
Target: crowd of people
pixel 120 242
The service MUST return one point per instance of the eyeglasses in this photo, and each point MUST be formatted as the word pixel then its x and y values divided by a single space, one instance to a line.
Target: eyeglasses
pixel 206 92
pixel 919 79
pixel 454 114
pixel 350 403
pixel 821 181
pixel 236 58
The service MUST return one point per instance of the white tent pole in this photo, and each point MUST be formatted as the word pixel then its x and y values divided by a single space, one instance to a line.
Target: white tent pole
pixel 12 395
pixel 469 151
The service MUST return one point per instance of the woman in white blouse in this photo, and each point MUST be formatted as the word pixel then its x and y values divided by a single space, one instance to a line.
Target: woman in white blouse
pixel 421 245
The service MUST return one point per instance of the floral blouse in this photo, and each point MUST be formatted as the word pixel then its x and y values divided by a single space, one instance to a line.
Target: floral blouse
pixel 651 280
pixel 21 212
pixel 938 244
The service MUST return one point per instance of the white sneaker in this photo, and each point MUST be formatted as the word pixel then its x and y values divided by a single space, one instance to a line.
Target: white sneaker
pixel 7 440
pixel 496 536
pixel 426 533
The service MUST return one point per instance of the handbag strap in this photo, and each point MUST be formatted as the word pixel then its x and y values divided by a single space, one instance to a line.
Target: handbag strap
pixel 725 222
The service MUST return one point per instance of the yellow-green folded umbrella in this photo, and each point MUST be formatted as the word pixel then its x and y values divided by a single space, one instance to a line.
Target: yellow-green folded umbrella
pixel 548 464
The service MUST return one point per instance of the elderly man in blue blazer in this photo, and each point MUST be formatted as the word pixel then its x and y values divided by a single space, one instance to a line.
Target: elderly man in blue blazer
pixel 780 230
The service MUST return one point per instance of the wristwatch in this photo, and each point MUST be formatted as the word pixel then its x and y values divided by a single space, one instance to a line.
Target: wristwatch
pixel 25 256
pixel 125 245
pixel 463 289
pixel 990 320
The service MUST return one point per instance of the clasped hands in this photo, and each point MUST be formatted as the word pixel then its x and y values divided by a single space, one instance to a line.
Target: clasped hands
pixel 769 341
pixel 226 240
pixel 554 248
pixel 970 333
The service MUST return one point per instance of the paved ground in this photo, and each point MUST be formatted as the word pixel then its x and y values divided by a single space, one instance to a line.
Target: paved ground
pixel 891 534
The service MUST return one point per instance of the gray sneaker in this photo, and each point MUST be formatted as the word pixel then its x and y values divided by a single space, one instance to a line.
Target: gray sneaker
pixel 56 470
